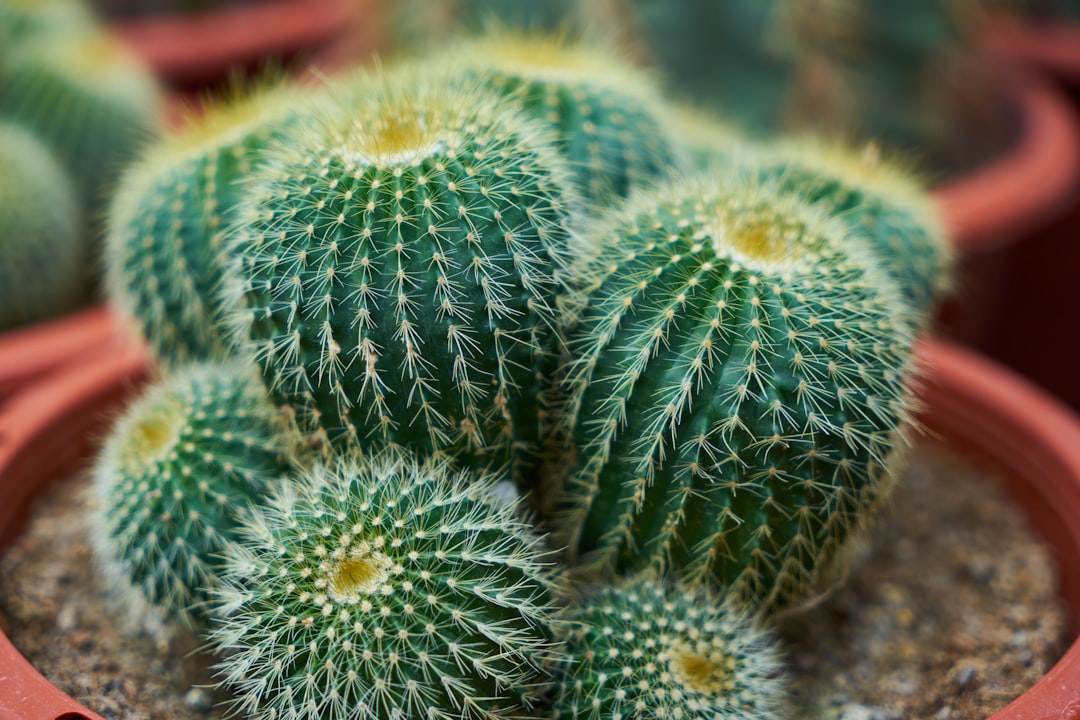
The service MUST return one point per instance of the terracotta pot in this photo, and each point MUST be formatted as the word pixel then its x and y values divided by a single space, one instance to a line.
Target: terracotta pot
pixel 27 354
pixel 975 406
pixel 997 213
pixel 191 51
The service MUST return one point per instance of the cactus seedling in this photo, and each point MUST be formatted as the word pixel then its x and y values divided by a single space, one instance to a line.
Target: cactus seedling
pixel 400 272
pixel 164 251
pixel 638 651
pixel 881 203
pixel 42 260
pixel 740 390
pixel 87 99
pixel 386 590
pixel 171 482
pixel 607 116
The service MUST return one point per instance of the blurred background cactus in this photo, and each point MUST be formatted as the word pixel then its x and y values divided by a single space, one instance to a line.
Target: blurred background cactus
pixel 42 256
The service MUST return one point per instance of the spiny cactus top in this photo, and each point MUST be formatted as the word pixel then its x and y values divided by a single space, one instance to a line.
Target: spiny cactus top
pixel 881 202
pixel 172 481
pixel 389 590
pixel 739 389
pixel 400 270
pixel 42 259
pixel 638 651
pixel 165 255
pixel 608 116
pixel 87 98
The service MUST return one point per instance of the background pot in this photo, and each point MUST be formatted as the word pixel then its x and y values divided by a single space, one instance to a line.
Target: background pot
pixel 192 51
pixel 975 406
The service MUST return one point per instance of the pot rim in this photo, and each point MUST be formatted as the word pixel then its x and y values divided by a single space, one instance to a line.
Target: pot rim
pixel 192 48
pixel 1049 45
pixel 968 399
pixel 989 207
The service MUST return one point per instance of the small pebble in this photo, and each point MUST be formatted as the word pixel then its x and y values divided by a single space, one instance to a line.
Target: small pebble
pixel 198 699
pixel 964 672
pixel 68 618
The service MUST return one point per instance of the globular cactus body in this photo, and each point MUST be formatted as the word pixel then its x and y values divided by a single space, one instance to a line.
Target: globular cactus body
pixel 607 117
pixel 739 393
pixel 388 590
pixel 42 259
pixel 165 252
pixel 400 273
pixel 882 204
pixel 638 651
pixel 172 481
pixel 87 99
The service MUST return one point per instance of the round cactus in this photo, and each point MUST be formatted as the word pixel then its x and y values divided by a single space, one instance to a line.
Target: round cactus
pixel 90 102
pixel 164 251
pixel 607 116
pixel 42 259
pixel 172 481
pixel 638 651
pixel 28 19
pixel 391 589
pixel 880 202
pixel 400 272
pixel 740 390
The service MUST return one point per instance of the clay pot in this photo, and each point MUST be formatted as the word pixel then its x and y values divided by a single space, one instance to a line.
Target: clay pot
pixel 191 51
pixel 974 405
pixel 30 353
pixel 997 213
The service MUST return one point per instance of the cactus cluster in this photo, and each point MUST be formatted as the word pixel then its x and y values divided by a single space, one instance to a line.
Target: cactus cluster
pixel 391 589
pixel 166 260
pixel 400 272
pixel 41 257
pixel 638 650
pixel 738 390
pixel 607 116
pixel 478 272
pixel 172 482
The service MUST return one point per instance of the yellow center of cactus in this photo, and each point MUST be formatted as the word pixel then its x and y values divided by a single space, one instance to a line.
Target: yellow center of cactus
pixel 755 238
pixel 707 674
pixel 364 572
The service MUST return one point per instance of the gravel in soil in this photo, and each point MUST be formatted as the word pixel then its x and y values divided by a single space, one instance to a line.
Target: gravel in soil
pixel 951 613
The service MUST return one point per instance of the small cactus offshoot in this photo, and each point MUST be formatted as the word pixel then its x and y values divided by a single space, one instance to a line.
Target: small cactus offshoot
pixel 164 251
pixel 400 271
pixel 739 394
pixel 607 115
pixel 639 651
pixel 392 589
pixel 42 258
pixel 880 202
pixel 171 482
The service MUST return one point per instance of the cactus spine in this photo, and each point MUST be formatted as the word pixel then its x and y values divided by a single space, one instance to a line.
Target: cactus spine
pixel 165 254
pixel 739 392
pixel 42 261
pixel 172 481
pixel 880 202
pixel 400 272
pixel 638 651
pixel 608 118
pixel 87 99
pixel 391 589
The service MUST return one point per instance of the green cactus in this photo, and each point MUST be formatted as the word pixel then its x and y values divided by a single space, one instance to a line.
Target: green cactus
pixel 390 589
pixel 90 102
pixel 42 260
pixel 165 259
pixel 608 116
pixel 638 651
pixel 880 201
pixel 171 483
pixel 400 271
pixel 739 397
pixel 22 20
